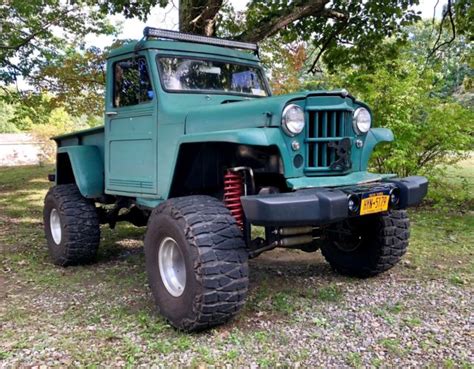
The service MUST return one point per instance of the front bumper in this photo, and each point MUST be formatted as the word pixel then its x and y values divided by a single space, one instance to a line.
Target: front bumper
pixel 326 205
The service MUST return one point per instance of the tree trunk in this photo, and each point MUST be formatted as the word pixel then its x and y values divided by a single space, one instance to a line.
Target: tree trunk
pixel 199 16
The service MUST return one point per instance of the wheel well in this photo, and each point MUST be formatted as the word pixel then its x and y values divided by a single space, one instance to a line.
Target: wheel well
pixel 64 173
pixel 200 167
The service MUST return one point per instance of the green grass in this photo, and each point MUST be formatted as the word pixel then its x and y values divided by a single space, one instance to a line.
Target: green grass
pixel 442 244
pixel 392 346
pixel 103 313
pixel 462 171
pixel 329 293
pixel 354 359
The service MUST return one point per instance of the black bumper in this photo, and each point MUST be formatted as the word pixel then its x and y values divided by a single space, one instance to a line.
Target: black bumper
pixel 325 205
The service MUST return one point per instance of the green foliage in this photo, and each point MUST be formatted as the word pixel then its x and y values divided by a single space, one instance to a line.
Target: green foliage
pixel 30 41
pixel 76 80
pixel 59 122
pixel 6 114
pixel 29 109
pixel 41 43
pixel 329 30
pixel 452 64
pixel 454 188
pixel 464 18
pixel 429 131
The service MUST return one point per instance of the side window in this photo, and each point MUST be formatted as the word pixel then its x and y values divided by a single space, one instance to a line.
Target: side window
pixel 131 82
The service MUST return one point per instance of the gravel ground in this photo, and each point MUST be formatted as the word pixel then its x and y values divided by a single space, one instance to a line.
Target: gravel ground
pixel 391 320
pixel 299 313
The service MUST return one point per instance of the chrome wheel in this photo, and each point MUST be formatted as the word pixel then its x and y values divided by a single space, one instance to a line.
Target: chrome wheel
pixel 55 226
pixel 172 267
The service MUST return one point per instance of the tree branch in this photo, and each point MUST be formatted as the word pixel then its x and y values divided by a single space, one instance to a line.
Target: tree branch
pixel 25 41
pixel 301 9
pixel 326 43
pixel 437 46
pixel 33 35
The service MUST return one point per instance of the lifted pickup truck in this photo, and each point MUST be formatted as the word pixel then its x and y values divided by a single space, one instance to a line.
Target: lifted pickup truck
pixel 196 148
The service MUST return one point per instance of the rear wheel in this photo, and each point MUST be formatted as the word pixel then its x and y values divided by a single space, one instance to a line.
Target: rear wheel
pixel 367 245
pixel 196 262
pixel 71 226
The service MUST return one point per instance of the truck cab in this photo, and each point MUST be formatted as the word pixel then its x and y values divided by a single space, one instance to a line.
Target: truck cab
pixel 195 146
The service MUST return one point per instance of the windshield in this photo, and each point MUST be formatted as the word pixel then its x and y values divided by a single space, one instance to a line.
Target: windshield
pixel 209 76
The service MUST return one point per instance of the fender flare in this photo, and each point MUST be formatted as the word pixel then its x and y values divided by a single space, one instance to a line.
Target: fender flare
pixel 259 136
pixel 374 137
pixel 248 136
pixel 262 136
pixel 87 167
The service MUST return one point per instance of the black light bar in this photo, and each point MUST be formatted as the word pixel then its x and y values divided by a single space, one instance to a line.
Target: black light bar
pixel 174 35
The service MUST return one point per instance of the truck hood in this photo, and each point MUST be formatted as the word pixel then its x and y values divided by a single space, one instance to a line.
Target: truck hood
pixel 257 112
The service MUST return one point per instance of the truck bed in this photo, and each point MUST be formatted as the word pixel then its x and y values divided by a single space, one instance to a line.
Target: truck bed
pixel 92 136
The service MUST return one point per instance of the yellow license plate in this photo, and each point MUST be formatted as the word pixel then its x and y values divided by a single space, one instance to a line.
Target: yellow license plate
pixel 374 204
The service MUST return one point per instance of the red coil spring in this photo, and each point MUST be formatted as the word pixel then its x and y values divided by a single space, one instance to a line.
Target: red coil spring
pixel 233 189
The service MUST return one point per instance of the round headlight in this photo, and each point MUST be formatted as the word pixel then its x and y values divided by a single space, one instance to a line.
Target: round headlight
pixel 292 120
pixel 362 120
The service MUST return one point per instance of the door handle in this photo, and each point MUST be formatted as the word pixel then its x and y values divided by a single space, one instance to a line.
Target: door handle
pixel 110 113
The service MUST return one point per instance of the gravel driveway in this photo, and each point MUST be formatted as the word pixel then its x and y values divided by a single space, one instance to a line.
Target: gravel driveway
pixel 298 314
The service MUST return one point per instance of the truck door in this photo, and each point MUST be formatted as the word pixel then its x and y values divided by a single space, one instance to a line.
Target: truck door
pixel 130 128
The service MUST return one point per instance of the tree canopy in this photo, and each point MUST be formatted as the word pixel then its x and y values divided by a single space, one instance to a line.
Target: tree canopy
pixel 48 51
pixel 416 76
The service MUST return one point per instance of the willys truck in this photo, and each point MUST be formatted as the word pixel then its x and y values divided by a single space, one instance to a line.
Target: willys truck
pixel 195 147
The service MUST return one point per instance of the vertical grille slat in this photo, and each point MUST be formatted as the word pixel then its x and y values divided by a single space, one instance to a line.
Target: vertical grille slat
pixel 333 126
pixel 324 133
pixel 316 128
pixel 325 126
pixel 342 124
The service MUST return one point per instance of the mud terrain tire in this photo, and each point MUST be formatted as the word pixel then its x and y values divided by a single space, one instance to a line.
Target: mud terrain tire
pixel 71 226
pixel 372 244
pixel 215 283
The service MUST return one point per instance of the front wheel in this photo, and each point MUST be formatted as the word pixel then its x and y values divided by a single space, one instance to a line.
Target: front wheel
pixel 196 262
pixel 367 245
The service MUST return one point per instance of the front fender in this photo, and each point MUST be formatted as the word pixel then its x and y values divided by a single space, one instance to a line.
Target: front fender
pixel 247 136
pixel 88 169
pixel 268 136
pixel 374 137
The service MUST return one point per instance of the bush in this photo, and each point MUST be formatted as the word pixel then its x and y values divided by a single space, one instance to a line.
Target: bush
pixel 452 187
pixel 6 114
pixel 455 196
pixel 429 131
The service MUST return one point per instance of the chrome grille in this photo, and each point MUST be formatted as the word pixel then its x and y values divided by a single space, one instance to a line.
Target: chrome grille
pixel 325 129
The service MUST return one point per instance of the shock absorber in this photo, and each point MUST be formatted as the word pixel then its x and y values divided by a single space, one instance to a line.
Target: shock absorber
pixel 233 189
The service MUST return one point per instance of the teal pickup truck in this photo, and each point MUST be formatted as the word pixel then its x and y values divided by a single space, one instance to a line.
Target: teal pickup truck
pixel 195 147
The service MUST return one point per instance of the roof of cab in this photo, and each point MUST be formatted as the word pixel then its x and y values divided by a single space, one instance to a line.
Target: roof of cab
pixel 183 46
